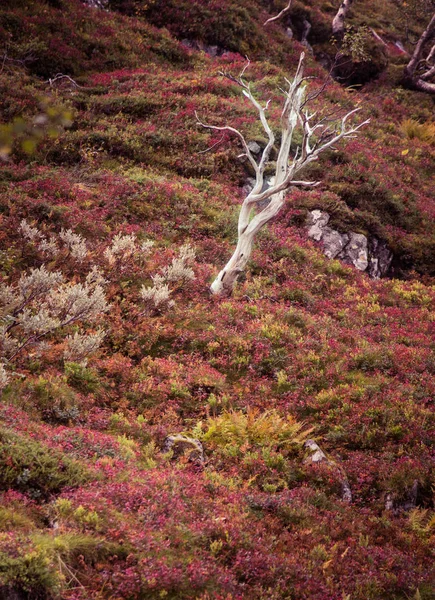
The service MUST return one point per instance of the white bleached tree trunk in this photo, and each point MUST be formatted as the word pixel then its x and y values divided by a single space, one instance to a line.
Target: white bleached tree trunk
pixel 420 72
pixel 315 139
pixel 340 17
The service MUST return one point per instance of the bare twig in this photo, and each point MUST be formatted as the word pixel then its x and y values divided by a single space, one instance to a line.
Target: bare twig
pixel 279 15
pixel 60 76
pixel 211 147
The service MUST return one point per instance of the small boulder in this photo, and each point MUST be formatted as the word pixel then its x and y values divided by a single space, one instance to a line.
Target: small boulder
pixel 102 4
pixel 381 258
pixel 254 147
pixel 366 254
pixel 404 501
pixel 317 221
pixel 181 445
pixel 314 453
pixel 333 242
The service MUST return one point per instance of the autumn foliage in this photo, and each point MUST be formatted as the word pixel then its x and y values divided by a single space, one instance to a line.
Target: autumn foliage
pixel 92 507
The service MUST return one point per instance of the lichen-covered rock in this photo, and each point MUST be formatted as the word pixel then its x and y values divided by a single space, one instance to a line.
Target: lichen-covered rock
pixel 356 251
pixel 317 220
pixel 314 453
pixel 333 242
pixel 380 258
pixel 370 255
pixel 102 4
pixel 404 501
pixel 211 50
pixel 181 445
pixel 254 147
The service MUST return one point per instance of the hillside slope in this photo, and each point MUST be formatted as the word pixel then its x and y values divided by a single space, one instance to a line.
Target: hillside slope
pixel 94 503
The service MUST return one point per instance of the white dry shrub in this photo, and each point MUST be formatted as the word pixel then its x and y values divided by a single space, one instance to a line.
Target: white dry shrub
pixel 180 268
pixel 48 247
pixel 79 346
pixel 35 284
pixel 42 302
pixel 123 246
pixel 96 277
pixel 8 344
pixel 40 322
pixel 74 242
pixel 146 247
pixel 31 234
pixel 70 303
pixel 179 271
pixel 158 295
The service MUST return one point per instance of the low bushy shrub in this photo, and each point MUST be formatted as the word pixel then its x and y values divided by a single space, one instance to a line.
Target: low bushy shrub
pixel 28 466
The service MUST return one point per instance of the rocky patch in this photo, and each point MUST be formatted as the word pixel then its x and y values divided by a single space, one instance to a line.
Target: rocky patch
pixel 371 255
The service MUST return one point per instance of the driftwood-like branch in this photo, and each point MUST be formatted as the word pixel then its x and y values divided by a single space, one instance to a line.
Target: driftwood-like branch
pixel 264 202
pixel 59 77
pixel 419 71
pixel 213 146
pixel 279 15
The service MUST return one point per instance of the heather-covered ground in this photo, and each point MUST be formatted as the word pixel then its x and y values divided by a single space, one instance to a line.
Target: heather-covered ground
pixel 92 507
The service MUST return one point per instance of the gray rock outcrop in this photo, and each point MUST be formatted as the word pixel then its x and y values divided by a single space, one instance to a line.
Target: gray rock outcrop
pixel 404 501
pixel 356 251
pixel 254 147
pixel 370 255
pixel 380 258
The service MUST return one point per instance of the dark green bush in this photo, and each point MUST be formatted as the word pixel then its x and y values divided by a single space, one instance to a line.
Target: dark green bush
pixel 55 401
pixel 136 106
pixel 35 570
pixel 82 378
pixel 28 466
pixel 377 359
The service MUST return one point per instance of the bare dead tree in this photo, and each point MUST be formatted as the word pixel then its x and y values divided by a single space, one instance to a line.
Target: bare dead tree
pixel 419 73
pixel 261 205
pixel 340 17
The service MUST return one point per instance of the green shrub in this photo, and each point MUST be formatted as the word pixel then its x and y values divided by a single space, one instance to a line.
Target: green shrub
pixel 298 296
pixel 295 318
pixel 55 400
pixel 42 563
pixel 377 359
pixel 81 377
pixel 136 106
pixel 27 466
pixel 265 429
pixel 11 518
pixel 31 571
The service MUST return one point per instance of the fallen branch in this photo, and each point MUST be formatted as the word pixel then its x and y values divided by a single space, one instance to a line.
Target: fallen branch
pixel 278 16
